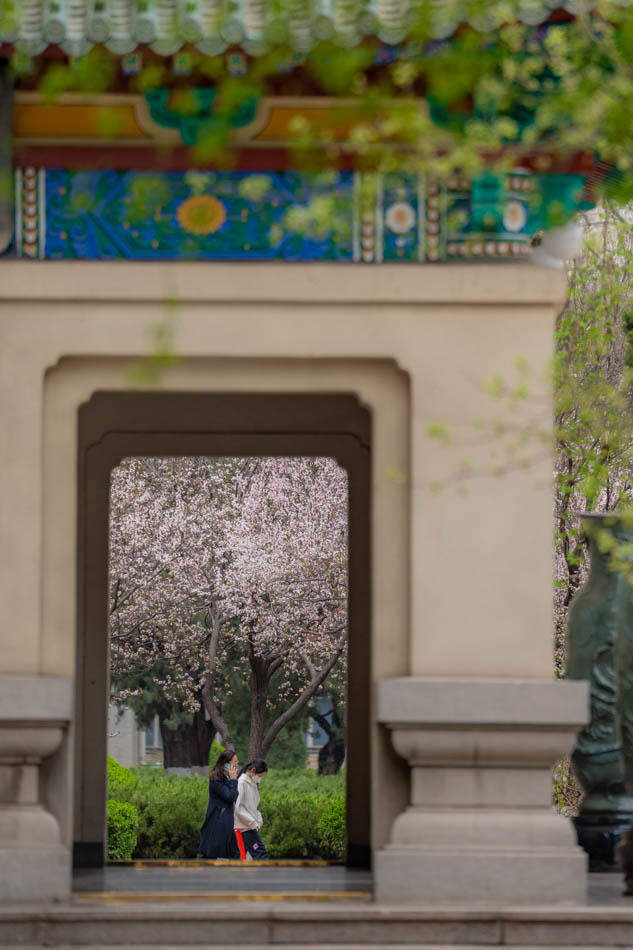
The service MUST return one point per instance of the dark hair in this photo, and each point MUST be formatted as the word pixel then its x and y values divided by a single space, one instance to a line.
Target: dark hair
pixel 218 771
pixel 258 766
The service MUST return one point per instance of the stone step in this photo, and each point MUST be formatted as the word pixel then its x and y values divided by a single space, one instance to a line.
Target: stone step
pixel 119 923
pixel 297 946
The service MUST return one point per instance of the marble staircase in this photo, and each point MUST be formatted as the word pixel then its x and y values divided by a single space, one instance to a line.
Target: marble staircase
pixel 117 922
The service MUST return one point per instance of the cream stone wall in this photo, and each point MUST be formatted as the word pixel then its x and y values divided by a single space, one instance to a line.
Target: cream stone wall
pixel 461 583
pixel 379 384
pixel 448 335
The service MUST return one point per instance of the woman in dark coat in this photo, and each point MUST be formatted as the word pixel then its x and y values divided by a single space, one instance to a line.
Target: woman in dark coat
pixel 217 839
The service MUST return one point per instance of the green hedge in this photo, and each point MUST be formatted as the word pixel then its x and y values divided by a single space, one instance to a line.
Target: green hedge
pixel 294 805
pixel 331 829
pixel 121 782
pixel 304 813
pixel 172 809
pixel 122 830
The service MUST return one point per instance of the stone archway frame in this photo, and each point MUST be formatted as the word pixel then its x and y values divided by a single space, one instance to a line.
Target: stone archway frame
pixel 115 425
pixel 382 390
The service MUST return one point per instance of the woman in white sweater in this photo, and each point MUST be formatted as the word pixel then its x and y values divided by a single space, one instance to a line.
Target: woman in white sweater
pixel 247 818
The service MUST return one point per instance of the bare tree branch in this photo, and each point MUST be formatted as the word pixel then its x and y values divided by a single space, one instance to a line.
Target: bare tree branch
pixel 307 694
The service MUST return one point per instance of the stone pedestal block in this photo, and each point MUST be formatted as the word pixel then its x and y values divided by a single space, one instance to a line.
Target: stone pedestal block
pixel 34 714
pixel 480 826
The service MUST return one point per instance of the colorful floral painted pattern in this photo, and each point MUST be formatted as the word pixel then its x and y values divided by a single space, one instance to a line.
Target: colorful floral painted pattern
pixel 291 216
pixel 201 214
pixel 188 215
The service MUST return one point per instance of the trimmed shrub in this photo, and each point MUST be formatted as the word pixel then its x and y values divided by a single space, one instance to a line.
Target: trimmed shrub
pixel 122 830
pixel 293 803
pixel 290 824
pixel 171 810
pixel 121 782
pixel 304 813
pixel 331 830
pixel 305 780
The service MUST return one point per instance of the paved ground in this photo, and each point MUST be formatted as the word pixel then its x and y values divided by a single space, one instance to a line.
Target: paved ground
pixel 247 879
pixel 606 890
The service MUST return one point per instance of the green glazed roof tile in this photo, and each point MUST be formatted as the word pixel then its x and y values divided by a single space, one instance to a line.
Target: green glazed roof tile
pixel 214 25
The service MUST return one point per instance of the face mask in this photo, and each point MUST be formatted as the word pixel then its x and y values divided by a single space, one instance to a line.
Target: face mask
pixel 257 779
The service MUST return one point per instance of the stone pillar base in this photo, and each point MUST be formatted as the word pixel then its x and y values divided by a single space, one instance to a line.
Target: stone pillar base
pixel 34 715
pixel 480 827
pixel 428 877
pixel 34 874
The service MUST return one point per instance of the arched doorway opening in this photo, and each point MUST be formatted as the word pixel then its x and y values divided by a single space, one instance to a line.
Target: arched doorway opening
pixel 116 425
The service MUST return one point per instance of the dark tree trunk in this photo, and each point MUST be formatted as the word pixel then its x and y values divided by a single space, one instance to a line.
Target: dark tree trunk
pixel 188 745
pixel 259 693
pixel 332 756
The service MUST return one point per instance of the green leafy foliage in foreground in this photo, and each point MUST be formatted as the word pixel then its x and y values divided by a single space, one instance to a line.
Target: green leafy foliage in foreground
pixel 303 812
pixel 498 90
pixel 122 830
pixel 591 381
pixel 593 397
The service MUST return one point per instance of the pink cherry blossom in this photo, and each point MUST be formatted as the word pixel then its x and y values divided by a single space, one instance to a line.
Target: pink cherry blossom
pixel 220 561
